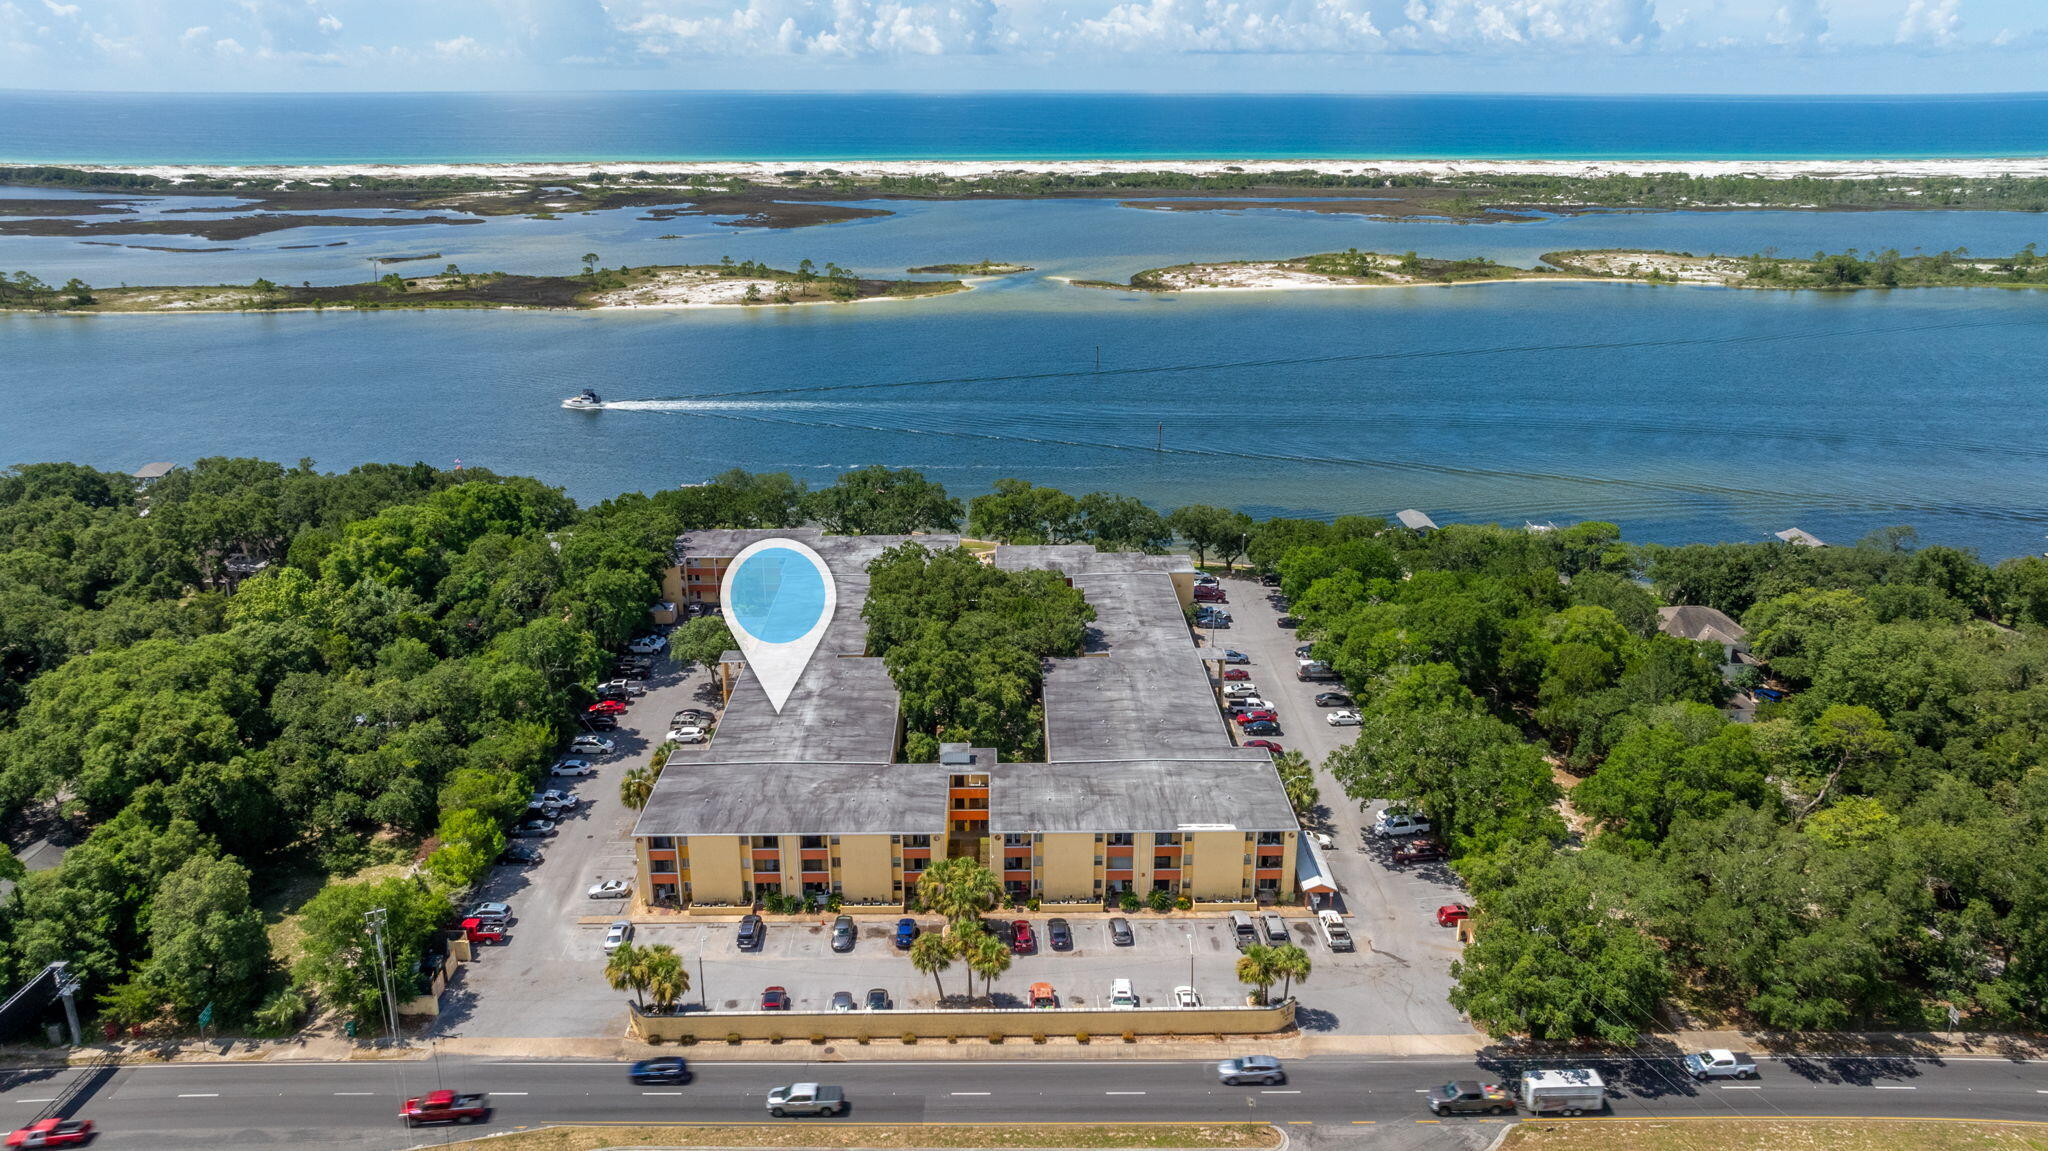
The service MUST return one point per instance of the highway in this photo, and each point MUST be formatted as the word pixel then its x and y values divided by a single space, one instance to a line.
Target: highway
pixel 354 1104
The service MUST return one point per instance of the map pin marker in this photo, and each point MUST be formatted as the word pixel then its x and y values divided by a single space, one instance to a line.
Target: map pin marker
pixel 778 597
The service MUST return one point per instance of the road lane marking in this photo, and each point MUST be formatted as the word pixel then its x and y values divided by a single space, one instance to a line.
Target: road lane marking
pixel 970 1092
pixel 660 1093
pixel 508 1092
pixel 1123 1092
pixel 199 1095
pixel 53 1099
pixel 1738 1087
pixel 355 1092
pixel 1887 1087
pixel 1296 1092
pixel 1363 1122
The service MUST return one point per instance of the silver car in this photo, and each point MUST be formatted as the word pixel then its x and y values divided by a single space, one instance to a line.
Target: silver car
pixel 1251 1069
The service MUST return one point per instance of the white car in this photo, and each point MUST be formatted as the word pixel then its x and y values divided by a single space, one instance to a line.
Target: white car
pixel 648 644
pixel 1393 821
pixel 611 889
pixel 620 931
pixel 689 735
pixel 553 798
pixel 592 745
pixel 1184 996
pixel 572 768
pixel 620 687
pixel 1241 687
pixel 1344 719
pixel 1121 996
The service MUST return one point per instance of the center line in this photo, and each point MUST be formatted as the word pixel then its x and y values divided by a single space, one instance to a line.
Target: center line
pixel 970 1092
pixel 1279 1092
pixel 1734 1087
pixel 355 1092
pixel 508 1092
pixel 200 1095
pixel 53 1099
pixel 1123 1092
pixel 661 1093
pixel 1882 1087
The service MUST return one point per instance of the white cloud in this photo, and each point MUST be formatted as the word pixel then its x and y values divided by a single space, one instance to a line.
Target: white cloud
pixel 1799 22
pixel 330 22
pixel 1331 26
pixel 459 47
pixel 61 11
pixel 1930 22
pixel 839 28
pixel 1466 25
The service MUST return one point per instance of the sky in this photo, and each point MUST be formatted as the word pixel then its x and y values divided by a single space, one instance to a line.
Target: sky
pixel 1543 46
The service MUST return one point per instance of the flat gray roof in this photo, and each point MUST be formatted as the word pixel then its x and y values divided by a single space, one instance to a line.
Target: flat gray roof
pixel 155 471
pixel 1083 559
pixel 843 710
pixel 796 797
pixel 847 557
pixel 1230 789
pixel 1142 691
pixel 1414 520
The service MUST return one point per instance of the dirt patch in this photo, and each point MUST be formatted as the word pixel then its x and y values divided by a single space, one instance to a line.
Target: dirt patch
pixel 1041 1134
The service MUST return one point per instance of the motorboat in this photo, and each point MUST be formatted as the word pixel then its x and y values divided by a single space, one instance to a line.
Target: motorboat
pixel 584 401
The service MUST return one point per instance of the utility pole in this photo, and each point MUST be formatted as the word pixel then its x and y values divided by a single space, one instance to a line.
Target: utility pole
pixel 374 919
pixel 67 988
pixel 703 993
pixel 1191 959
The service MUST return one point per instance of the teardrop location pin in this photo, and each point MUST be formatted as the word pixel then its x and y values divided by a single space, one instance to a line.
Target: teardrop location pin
pixel 778 597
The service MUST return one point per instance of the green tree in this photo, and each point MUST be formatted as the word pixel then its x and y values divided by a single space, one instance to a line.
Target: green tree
pixel 628 968
pixel 337 959
pixel 667 977
pixel 877 500
pixel 987 957
pixel 1477 780
pixel 1211 529
pixel 635 787
pixel 1694 765
pixel 1021 513
pixel 206 942
pixel 960 888
pixel 1290 963
pixel 932 954
pixel 701 640
pixel 1257 969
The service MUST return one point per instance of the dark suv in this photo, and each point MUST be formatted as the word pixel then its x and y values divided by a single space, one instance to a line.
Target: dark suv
pixel 673 1069
pixel 1334 699
pixel 751 933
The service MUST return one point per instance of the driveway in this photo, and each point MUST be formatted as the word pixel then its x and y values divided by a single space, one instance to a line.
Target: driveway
pixel 1396 983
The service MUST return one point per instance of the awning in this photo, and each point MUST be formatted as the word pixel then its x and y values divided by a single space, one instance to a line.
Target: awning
pixel 1311 870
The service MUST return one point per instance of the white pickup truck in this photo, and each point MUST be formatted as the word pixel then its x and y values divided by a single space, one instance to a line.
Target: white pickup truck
pixel 1720 1064
pixel 806 1099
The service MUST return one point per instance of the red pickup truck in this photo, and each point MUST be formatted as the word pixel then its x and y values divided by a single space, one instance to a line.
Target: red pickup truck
pixel 53 1133
pixel 445 1107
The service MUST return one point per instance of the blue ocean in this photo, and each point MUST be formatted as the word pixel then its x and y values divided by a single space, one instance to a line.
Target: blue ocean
pixel 315 128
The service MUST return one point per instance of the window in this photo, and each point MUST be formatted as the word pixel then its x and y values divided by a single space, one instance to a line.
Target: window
pixel 1119 863
pixel 813 842
pixel 917 841
pixel 1269 885
pixel 1272 838
pixel 661 842
pixel 1166 839
pixel 815 867
pixel 1163 863
pixel 1120 839
pixel 661 867
pixel 1016 838
pixel 766 842
pixel 1269 861
pixel 1162 885
pixel 1017 863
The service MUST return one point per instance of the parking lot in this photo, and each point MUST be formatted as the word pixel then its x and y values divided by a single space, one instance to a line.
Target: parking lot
pixel 547 979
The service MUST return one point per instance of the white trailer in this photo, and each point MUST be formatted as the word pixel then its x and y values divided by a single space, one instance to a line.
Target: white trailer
pixel 1567 1092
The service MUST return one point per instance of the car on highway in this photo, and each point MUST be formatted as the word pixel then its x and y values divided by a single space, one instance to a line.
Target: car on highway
pixel 535 829
pixel 751 933
pixel 592 745
pixel 1452 914
pixel 1254 715
pixel 844 933
pixel 906 933
pixel 1262 1069
pixel 1121 995
pixel 1232 655
pixel 1022 941
pixel 775 999
pixel 674 1069
pixel 1720 1063
pixel 617 935
pixel 1265 745
pixel 1469 1097
pixel 610 889
pixel 605 707
pixel 53 1132
pixel 1343 719
pixel 806 1099
pixel 1185 996
pixel 445 1107
pixel 1418 851
pixel 689 734
pixel 1262 727
pixel 1334 699
pixel 1059 935
pixel 1236 674
pixel 843 1001
pixel 572 769
pixel 648 645
pixel 1120 932
pixel 1395 821
pixel 878 1000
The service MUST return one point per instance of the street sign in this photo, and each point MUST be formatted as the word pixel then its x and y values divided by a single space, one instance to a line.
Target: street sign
pixel 206 1015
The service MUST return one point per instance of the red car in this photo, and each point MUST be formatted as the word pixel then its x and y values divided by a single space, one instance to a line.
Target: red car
pixel 1210 595
pixel 1452 914
pixel 1419 851
pixel 1267 744
pixel 1236 673
pixel 775 999
pixel 1256 714
pixel 1023 942
pixel 53 1133
pixel 445 1107
pixel 605 707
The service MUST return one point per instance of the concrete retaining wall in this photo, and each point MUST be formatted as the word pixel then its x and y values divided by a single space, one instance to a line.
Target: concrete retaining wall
pixel 1011 1023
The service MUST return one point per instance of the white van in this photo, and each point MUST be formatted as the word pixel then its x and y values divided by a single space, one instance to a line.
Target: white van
pixel 1276 927
pixel 1121 996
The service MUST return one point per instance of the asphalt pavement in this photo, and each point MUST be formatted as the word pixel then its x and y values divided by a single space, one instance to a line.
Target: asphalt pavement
pixel 354 1105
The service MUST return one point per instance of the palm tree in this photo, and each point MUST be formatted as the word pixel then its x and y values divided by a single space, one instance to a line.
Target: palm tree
pixel 965 938
pixel 990 958
pixel 626 970
pixel 932 954
pixel 1290 962
pixel 668 979
pixel 634 788
pixel 1255 969
pixel 959 889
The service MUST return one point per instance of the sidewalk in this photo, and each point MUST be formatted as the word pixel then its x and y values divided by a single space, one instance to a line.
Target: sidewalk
pixel 330 1048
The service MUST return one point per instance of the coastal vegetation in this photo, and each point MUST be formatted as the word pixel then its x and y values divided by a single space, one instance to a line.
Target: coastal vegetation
pixel 984 268
pixel 744 283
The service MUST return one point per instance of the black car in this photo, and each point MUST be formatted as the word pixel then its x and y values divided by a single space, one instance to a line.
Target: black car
pixel 1261 727
pixel 1305 650
pixel 600 722
pixel 673 1069
pixel 1120 931
pixel 751 933
pixel 521 853
pixel 1334 699
pixel 1269 580
pixel 844 933
pixel 1288 621
pixel 878 1000
pixel 1058 935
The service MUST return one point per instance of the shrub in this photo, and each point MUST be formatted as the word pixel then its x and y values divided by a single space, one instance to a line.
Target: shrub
pixel 733 1039
pixel 654 1040
pixel 280 1013
pixel 1031 904
pixel 817 1039
pixel 861 1039
pixel 909 1038
pixel 1129 902
pixel 1038 1039
pixel 1080 1037
pixel 1130 1037
pixel 1160 900
pixel 1184 904
pixel 995 1037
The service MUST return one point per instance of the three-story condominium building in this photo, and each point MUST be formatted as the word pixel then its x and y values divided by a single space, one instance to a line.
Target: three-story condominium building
pixel 1142 789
